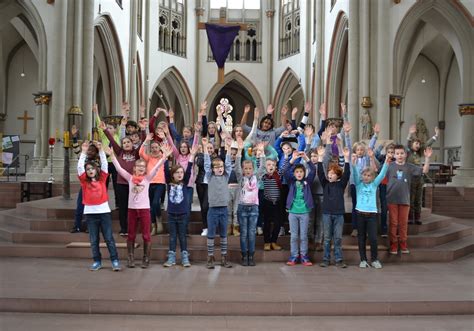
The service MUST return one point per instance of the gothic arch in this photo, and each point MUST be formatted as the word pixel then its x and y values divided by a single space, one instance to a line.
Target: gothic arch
pixel 336 83
pixel 235 76
pixel 289 92
pixel 171 91
pixel 108 55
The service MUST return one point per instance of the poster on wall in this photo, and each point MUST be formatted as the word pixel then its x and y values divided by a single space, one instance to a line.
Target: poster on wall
pixel 453 155
pixel 10 150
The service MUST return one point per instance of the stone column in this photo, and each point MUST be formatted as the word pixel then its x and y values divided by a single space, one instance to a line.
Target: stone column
pixel 395 104
pixel 199 14
pixel 353 69
pixel 147 59
pixel 270 13
pixel 38 120
pixel 42 100
pixel 132 65
pixel 364 92
pixel 318 98
pixel 87 66
pixel 77 58
pixel 383 67
pixel 465 174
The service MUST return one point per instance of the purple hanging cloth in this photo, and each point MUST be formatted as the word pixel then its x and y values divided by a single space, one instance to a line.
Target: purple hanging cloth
pixel 221 38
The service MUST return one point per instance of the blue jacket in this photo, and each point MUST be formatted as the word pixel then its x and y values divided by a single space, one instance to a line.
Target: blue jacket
pixel 308 181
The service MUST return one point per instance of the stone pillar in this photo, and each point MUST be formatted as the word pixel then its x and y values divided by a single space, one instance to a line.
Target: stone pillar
pixel 42 100
pixel 318 97
pixel 77 58
pixel 364 91
pixel 395 105
pixel 132 65
pixel 465 174
pixel 383 67
pixel 147 59
pixel 87 66
pixel 270 13
pixel 353 69
pixel 38 120
pixel 199 14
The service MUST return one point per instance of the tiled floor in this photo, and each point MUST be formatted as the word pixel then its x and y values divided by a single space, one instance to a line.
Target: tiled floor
pixel 49 322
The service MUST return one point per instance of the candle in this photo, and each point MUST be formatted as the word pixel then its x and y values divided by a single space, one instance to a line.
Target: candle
pixel 66 139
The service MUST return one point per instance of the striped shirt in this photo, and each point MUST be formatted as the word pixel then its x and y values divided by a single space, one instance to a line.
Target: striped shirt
pixel 271 190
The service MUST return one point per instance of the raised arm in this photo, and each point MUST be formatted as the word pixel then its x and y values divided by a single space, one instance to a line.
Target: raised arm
pixel 382 173
pixel 116 147
pixel 121 171
pixel 428 152
pixel 173 146
pixel 82 158
pixel 166 153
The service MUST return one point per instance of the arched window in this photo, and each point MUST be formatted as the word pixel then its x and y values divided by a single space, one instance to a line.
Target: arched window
pixel 289 28
pixel 247 45
pixel 172 19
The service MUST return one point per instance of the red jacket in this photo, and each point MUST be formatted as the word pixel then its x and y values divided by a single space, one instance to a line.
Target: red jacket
pixel 94 193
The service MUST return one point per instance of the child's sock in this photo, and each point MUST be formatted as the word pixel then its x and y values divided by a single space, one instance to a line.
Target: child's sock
pixel 210 246
pixel 224 246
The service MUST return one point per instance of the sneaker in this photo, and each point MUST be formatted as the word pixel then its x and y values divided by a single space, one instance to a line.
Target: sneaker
pixel 364 264
pixel 267 247
pixel 354 233
pixel 185 259
pixel 405 251
pixel 95 266
pixel 391 252
pixel 282 232
pixel 324 264
pixel 341 264
pixel 123 234
pixel 204 233
pixel 293 260
pixel 116 265
pixel 305 261
pixel 259 231
pixel 384 235
pixel 276 247
pixel 75 230
pixel 376 264
pixel 171 261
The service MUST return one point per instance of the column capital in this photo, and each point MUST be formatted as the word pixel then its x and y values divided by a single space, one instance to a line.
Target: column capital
pixel 366 102
pixel 199 11
pixel 466 109
pixel 75 110
pixel 42 98
pixel 395 100
pixel 270 13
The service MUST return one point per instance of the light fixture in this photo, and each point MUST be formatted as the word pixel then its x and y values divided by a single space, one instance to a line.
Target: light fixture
pixel 423 80
pixel 22 74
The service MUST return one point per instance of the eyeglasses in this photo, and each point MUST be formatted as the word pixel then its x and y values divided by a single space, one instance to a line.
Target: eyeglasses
pixel 218 167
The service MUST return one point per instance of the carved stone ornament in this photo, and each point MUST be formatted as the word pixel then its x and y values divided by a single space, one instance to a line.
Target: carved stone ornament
pixel 395 101
pixel 42 99
pixel 3 117
pixel 270 13
pixel 113 119
pixel 199 11
pixel 366 102
pixel 466 109
pixel 75 110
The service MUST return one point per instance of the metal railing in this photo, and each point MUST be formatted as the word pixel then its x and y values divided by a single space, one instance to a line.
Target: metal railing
pixel 12 165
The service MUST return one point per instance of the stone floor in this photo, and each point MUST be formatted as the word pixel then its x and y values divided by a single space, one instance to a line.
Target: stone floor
pixel 66 286
pixel 50 322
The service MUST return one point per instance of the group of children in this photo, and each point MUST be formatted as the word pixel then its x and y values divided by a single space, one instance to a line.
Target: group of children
pixel 248 185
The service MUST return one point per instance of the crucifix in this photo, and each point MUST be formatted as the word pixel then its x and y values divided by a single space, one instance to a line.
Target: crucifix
pixel 25 119
pixel 221 37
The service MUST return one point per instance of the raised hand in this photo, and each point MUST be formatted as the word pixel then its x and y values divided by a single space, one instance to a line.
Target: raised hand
pixel 194 150
pixel 294 111
pixel 412 129
pixel 123 121
pixel 321 151
pixel 102 125
pixel 323 110
pixel 107 150
pixel 166 150
pixel 284 134
pixel 204 142
pixel 197 127
pixel 85 146
pixel 307 107
pixel 284 110
pixel 149 137
pixel 142 110
pixel 370 153
pixel 347 127
pixel 171 113
pixel 157 112
pixel 343 109
pixel 95 109
pixel 98 144
pixel 247 109
pixel 376 128
pixel 125 109
pixel 294 155
pixel 354 159
pixel 270 109
pixel 74 130
pixel 436 131
pixel 428 152
pixel 143 123
pixel 256 112
pixel 240 144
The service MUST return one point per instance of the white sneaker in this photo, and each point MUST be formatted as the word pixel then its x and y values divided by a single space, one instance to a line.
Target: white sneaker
pixel 376 264
pixel 204 233
pixel 364 264
pixel 282 232
pixel 259 231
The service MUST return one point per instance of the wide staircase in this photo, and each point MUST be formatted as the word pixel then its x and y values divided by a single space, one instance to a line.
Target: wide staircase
pixel 41 229
pixel 453 201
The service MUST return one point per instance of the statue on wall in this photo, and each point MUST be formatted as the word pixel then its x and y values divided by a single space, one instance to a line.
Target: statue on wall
pixel 225 108
pixel 422 132
pixel 366 122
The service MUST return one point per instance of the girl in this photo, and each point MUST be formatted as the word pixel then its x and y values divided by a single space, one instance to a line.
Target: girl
pixel 299 204
pixel 333 206
pixel 158 183
pixel 178 209
pixel 126 156
pixel 96 205
pixel 139 204
pixel 266 131
pixel 367 209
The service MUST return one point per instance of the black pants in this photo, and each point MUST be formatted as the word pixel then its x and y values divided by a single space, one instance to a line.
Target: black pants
pixel 272 213
pixel 122 194
pixel 367 223
pixel 203 202
pixel 113 173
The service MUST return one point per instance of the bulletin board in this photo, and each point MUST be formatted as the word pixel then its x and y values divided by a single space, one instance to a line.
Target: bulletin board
pixel 9 150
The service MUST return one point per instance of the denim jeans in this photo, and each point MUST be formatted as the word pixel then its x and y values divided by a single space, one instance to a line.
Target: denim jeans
pixel 383 208
pixel 233 206
pixel 367 224
pixel 97 223
pixel 333 225
pixel 177 228
pixel 217 222
pixel 155 192
pixel 315 226
pixel 299 224
pixel 247 216
pixel 79 211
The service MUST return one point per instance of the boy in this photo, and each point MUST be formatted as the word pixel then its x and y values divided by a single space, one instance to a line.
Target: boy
pixel 218 197
pixel 400 174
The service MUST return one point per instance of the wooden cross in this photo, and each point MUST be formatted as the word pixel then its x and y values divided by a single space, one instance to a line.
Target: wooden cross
pixel 223 21
pixel 25 119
